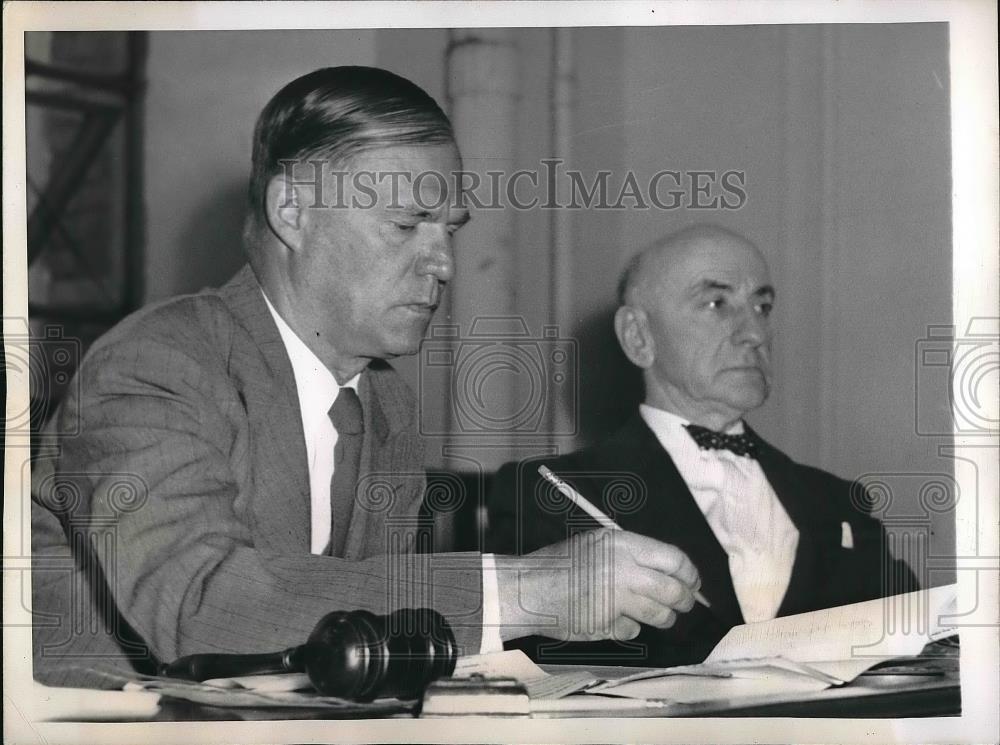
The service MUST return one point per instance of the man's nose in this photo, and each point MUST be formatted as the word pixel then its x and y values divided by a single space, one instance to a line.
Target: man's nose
pixel 753 328
pixel 437 258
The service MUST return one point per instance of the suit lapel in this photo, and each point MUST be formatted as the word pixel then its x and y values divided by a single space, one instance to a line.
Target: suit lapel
pixel 810 517
pixel 672 515
pixel 281 495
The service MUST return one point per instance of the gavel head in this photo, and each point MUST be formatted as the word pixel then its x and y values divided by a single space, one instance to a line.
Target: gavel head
pixel 360 656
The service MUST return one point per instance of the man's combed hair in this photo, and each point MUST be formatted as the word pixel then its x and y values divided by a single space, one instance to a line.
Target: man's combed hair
pixel 334 113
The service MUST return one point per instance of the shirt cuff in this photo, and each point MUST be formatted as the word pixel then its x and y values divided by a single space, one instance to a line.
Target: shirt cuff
pixel 491 608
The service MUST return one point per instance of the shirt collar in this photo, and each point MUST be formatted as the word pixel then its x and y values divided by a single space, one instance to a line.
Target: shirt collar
pixel 312 377
pixel 669 427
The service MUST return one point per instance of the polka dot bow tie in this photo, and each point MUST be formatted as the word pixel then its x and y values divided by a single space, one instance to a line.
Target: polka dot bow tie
pixel 708 439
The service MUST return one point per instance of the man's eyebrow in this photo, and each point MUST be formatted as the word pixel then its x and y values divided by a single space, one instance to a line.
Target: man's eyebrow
pixel 409 210
pixel 461 218
pixel 711 285
pixel 715 285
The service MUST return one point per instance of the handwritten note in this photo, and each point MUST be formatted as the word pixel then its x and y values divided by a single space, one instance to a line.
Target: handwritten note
pixel 887 627
pixel 805 652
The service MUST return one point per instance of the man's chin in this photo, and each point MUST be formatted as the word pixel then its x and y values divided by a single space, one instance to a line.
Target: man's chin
pixel 750 394
pixel 402 345
pixel 749 399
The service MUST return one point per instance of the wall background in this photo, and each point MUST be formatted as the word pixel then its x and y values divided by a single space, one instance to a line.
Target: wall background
pixel 843 132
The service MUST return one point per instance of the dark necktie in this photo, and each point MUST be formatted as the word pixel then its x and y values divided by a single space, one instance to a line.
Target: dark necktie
pixel 709 439
pixel 347 420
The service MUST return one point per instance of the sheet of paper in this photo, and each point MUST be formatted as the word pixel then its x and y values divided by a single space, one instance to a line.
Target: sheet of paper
pixel 516 664
pixel 510 664
pixel 764 680
pixel 727 669
pixel 887 627
pixel 240 697
pixel 806 652
pixel 274 682
pixel 559 686
pixel 847 670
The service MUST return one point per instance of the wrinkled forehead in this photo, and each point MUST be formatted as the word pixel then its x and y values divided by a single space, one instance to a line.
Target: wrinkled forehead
pixel 727 260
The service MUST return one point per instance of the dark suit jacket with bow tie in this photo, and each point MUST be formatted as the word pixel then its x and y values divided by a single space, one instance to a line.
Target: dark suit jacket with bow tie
pixel 190 469
pixel 631 478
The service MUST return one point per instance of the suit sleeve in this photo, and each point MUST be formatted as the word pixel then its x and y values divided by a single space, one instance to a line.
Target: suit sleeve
pixel 502 536
pixel 154 457
pixel 68 612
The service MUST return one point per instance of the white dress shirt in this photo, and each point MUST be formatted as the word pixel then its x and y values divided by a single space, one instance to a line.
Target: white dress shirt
pixel 317 389
pixel 742 510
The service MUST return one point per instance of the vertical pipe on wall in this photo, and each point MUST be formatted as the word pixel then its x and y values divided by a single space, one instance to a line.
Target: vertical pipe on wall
pixel 134 252
pixel 562 412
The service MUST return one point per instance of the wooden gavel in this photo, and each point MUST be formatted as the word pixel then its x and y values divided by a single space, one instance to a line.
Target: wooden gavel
pixel 353 655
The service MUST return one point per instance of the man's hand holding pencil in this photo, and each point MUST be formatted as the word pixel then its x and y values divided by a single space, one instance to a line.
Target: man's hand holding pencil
pixel 597 585
pixel 580 501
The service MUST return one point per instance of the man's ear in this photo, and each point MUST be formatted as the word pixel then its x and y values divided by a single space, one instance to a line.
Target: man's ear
pixel 286 215
pixel 632 330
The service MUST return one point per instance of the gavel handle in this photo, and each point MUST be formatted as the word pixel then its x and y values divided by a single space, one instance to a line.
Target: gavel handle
pixel 208 666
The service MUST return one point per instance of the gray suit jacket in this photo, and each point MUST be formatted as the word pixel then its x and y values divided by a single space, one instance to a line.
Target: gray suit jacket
pixel 186 495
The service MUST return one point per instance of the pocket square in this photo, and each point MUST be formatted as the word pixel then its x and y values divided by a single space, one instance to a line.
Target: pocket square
pixel 846 535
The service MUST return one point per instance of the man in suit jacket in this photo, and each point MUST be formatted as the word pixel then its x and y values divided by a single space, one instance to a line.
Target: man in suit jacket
pixel 769 536
pixel 202 506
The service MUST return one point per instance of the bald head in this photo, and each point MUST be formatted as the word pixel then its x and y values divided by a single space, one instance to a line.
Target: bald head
pixel 648 264
pixel 695 317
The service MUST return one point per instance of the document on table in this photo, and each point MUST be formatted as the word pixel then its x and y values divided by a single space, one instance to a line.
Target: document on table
pixel 805 652
pixel 887 627
pixel 263 691
pixel 516 664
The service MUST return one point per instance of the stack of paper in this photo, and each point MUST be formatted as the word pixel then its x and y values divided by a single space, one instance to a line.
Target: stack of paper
pixel 801 653
pixel 264 691
pixel 548 695
pixel 515 664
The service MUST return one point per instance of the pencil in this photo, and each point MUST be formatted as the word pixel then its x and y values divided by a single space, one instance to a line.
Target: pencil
pixel 581 501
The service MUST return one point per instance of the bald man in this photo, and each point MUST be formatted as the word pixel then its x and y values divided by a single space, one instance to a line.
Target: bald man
pixel 770 537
